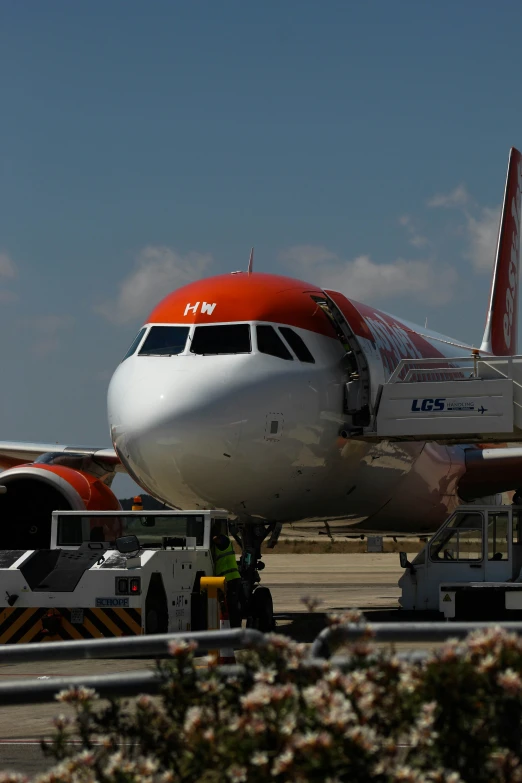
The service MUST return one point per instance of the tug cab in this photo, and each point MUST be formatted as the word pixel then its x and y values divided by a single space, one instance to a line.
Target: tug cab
pixel 471 568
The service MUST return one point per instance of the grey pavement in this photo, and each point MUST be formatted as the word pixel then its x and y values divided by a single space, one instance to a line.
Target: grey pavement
pixel 337 581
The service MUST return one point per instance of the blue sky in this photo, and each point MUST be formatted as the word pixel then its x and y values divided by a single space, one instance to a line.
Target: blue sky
pixel 358 145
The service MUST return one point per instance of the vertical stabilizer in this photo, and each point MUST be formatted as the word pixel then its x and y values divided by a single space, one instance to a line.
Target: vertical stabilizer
pixel 500 335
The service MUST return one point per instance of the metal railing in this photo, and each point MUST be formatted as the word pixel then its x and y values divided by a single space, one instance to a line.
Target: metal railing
pixel 334 636
pixel 31 691
pixel 480 367
pixel 146 646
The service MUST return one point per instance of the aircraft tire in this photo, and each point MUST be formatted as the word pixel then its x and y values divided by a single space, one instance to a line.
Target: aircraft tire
pixel 262 610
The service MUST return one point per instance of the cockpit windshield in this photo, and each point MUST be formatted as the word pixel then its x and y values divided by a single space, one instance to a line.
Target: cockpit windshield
pixel 222 339
pixel 268 341
pixel 137 340
pixel 75 529
pixel 165 341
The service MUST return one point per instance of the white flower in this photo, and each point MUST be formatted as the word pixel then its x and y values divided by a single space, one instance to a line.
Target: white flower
pixel 510 681
pixel 85 759
pixel 147 765
pixel 259 759
pixel 265 675
pixel 313 739
pixel 61 722
pixel 314 695
pixel 237 774
pixel 77 695
pixel 179 647
pixel 288 725
pixel 259 696
pixel 114 762
pixel 282 762
pixel 208 686
pixel 193 719
pixel 486 663
pixel 407 775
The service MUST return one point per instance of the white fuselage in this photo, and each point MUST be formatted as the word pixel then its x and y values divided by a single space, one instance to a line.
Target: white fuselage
pixel 260 437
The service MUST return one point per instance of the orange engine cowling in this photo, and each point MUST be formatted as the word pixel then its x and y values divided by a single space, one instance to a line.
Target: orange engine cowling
pixel 34 491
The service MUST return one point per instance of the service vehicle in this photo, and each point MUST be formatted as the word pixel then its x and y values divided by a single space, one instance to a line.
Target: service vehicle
pixel 471 568
pixel 109 574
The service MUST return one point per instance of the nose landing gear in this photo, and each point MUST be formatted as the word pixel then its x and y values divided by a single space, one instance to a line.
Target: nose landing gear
pixel 257 606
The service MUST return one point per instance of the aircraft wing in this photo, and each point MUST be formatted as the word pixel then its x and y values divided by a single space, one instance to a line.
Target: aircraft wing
pixel 15 453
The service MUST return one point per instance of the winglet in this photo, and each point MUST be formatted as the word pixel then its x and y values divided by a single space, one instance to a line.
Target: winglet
pixel 500 335
pixel 251 261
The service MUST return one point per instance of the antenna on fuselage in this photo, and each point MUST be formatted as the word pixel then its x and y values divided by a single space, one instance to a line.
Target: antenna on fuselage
pixel 251 261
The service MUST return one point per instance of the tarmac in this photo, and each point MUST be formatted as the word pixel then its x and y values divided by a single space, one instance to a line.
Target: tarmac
pixel 335 582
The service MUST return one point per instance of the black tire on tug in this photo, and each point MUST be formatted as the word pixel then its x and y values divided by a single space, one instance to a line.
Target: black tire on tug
pixel 156 606
pixel 262 610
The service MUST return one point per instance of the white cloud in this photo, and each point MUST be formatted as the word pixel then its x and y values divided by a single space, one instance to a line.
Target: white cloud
pixel 159 270
pixel 482 235
pixel 480 229
pixel 416 239
pixel 458 197
pixel 7 267
pixel 363 279
pixel 6 297
pixel 47 331
pixel 7 272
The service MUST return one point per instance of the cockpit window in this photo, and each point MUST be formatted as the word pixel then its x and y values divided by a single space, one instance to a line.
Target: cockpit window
pixel 268 341
pixel 297 345
pixel 165 341
pixel 135 343
pixel 230 338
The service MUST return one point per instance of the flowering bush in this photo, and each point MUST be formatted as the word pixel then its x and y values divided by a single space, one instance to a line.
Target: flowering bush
pixel 455 717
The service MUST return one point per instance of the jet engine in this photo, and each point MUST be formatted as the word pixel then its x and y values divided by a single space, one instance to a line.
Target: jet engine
pixel 52 483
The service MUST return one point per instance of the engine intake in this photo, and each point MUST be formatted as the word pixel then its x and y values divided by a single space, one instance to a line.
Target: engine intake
pixel 34 491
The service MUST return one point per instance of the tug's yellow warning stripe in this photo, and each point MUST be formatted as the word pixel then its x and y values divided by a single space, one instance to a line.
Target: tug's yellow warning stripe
pixel 44 624
pixel 12 620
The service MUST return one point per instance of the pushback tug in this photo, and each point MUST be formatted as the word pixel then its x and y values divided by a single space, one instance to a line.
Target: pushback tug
pixel 109 574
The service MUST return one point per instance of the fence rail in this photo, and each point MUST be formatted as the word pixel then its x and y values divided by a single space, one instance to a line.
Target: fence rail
pixel 34 691
pixel 147 646
pixel 333 637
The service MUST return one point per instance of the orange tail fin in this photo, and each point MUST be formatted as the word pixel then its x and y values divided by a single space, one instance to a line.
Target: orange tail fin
pixel 500 335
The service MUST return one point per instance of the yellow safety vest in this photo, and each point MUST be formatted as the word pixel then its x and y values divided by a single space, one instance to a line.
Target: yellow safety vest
pixel 226 564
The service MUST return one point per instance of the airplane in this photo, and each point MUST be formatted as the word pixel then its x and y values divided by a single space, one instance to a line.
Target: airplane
pixel 250 392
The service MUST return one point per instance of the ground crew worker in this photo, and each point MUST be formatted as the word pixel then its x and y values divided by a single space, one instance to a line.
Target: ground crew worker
pixel 226 565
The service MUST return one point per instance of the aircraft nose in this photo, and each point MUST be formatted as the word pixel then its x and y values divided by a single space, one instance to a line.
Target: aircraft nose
pixel 175 425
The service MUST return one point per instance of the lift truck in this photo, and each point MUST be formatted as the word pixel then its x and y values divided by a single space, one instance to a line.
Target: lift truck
pixel 471 568
pixel 110 574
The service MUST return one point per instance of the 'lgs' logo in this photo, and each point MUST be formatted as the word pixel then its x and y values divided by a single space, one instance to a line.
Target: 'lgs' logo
pixel 428 405
pixel 513 266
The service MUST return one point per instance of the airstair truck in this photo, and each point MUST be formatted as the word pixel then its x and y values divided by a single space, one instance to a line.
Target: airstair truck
pixel 471 568
pixel 109 574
